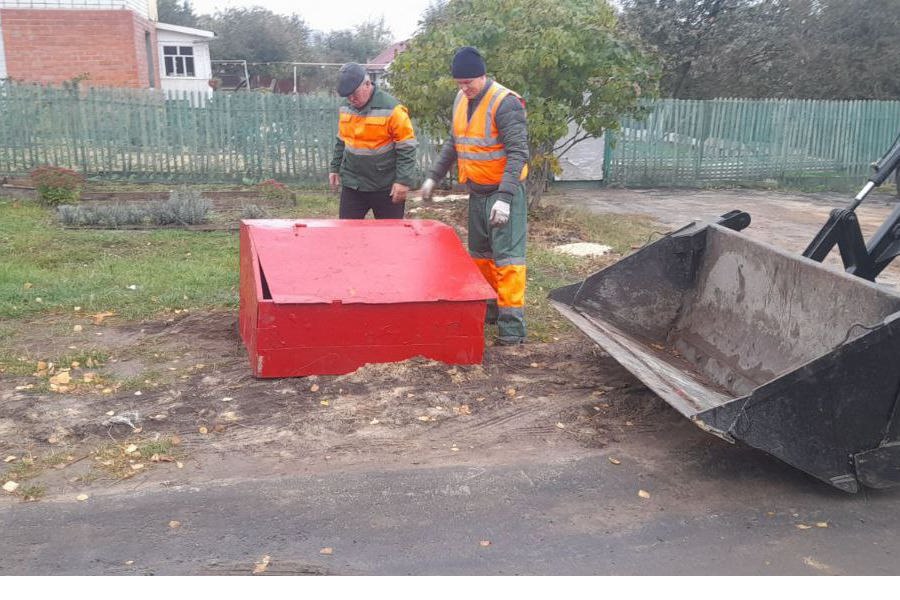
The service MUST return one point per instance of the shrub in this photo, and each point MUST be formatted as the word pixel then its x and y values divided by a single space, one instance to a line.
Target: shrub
pixel 56 185
pixel 252 211
pixel 112 216
pixel 184 207
pixel 274 191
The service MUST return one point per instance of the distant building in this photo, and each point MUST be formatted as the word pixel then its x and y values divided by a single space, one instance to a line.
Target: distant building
pixel 378 66
pixel 104 43
pixel 184 58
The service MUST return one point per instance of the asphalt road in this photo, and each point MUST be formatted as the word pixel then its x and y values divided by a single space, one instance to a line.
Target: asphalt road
pixel 576 517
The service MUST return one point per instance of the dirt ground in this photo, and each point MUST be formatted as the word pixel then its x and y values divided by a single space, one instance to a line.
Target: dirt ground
pixel 189 383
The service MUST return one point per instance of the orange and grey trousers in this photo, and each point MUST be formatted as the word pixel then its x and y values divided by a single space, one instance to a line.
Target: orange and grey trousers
pixel 499 253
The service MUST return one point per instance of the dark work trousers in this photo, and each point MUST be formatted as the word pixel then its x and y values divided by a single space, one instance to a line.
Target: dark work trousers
pixel 356 204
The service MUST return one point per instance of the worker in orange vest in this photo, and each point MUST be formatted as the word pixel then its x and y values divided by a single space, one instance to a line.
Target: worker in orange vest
pixel 374 162
pixel 489 142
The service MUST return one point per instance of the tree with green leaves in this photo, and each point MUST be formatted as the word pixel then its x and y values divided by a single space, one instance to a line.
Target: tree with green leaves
pixel 359 44
pixel 568 59
pixel 175 12
pixel 257 35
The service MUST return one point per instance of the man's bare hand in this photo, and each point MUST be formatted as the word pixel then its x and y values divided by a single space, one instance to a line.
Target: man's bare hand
pixel 398 193
pixel 334 180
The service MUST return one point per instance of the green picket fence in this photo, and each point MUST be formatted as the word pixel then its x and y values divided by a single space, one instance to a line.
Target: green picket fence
pixel 703 142
pixel 148 136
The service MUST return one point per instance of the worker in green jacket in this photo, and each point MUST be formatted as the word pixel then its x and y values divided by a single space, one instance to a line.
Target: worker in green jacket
pixel 374 162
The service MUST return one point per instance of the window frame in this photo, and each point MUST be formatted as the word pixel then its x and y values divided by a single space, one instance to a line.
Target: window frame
pixel 179 61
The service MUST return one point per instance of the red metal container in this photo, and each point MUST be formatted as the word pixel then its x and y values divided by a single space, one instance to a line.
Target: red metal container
pixel 324 297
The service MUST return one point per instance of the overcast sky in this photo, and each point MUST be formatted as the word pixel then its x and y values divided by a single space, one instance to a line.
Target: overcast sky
pixel 327 15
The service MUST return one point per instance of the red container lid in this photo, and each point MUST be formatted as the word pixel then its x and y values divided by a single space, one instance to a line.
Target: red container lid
pixel 314 261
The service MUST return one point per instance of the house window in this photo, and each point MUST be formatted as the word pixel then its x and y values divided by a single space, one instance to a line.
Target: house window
pixel 179 61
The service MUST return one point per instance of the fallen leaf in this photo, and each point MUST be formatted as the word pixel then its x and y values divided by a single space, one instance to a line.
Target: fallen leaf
pixel 511 392
pixel 326 551
pixel 262 565
pixel 10 486
pixel 219 428
pixel 82 497
pixel 643 494
pixel 137 467
pixel 180 465
pixel 424 418
pixel 41 366
pixel 131 449
pixel 534 365
pixel 374 422
pixel 802 526
pixel 61 378
pixel 203 430
pixel 822 524
pixel 175 440
pixel 615 461
pixel 28 285
pixel 9 458
pixel 77 328
pixel 560 426
pixel 323 402
pixel 129 562
pixel 229 416
pixel 629 423
pixel 102 316
pixel 227 399
pixel 174 524
pixel 314 387
pixel 161 458
pixel 464 409
pixel 89 377
pixel 484 543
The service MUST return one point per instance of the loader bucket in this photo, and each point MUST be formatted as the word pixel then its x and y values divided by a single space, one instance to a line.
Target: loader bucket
pixel 755 344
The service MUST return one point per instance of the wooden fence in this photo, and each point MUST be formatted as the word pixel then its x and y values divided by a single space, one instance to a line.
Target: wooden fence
pixel 148 136
pixel 703 142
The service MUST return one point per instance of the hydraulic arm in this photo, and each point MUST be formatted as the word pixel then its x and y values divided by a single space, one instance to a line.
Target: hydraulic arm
pixel 863 259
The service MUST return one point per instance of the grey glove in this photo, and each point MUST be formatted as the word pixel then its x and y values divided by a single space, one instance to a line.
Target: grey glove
pixel 499 213
pixel 427 189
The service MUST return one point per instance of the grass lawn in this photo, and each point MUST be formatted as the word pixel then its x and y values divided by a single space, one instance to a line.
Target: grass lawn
pixel 47 270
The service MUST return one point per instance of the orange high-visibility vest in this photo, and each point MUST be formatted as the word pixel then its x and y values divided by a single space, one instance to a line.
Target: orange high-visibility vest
pixel 481 157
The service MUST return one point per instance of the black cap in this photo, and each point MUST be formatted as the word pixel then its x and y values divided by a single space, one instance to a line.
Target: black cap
pixel 467 63
pixel 350 77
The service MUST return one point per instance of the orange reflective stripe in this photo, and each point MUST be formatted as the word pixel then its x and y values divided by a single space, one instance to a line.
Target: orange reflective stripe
pixel 488 269
pixel 480 155
pixel 511 286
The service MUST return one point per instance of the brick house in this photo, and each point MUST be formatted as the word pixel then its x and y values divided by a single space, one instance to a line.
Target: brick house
pixel 110 43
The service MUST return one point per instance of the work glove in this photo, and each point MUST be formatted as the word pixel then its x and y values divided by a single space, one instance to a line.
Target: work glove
pixel 499 213
pixel 427 189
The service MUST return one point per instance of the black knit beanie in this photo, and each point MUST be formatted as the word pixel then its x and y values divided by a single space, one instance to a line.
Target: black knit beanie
pixel 467 64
